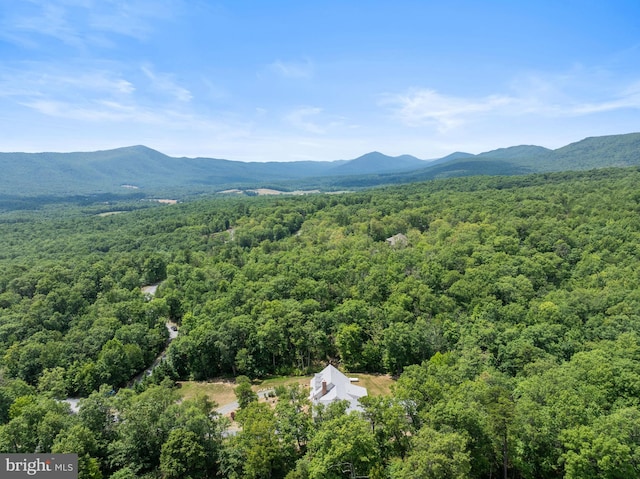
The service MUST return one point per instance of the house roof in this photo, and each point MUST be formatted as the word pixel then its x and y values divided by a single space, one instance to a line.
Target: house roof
pixel 338 387
pixel 398 240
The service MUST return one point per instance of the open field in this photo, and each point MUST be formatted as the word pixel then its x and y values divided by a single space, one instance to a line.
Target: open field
pixel 376 384
pixel 222 391
pixel 268 191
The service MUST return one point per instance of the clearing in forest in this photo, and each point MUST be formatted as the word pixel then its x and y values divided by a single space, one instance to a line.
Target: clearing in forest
pixel 222 391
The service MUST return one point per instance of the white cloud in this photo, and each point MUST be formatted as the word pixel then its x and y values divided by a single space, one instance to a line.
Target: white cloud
pixel 420 107
pixel 213 91
pixel 51 19
pixel 132 18
pixel 314 120
pixel 300 118
pixel 107 95
pixel 126 120
pixel 628 98
pixel 101 111
pixel 98 111
pixel 165 83
pixel 292 69
pixel 97 81
pixel 555 96
pixel 82 24
pixel 577 93
pixel 40 80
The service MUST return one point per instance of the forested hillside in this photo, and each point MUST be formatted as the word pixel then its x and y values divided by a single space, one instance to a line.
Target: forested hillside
pixel 508 313
pixel 146 173
pixel 590 153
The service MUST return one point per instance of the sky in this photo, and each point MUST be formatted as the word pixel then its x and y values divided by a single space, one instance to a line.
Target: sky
pixel 315 80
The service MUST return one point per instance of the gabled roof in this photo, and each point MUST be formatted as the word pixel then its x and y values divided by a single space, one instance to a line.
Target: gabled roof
pixel 398 240
pixel 337 387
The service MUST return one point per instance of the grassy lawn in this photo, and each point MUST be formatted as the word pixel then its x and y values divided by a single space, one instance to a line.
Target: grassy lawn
pixel 222 391
pixel 274 382
pixel 376 384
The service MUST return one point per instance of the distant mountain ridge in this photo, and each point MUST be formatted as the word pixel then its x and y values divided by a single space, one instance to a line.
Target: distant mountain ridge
pixel 150 172
pixel 590 153
pixel 376 162
pixel 522 151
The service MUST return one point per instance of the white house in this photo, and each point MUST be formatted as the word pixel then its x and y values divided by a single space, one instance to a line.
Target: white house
pixel 331 385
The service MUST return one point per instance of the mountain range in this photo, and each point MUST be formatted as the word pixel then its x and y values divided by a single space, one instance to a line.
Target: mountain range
pixel 150 172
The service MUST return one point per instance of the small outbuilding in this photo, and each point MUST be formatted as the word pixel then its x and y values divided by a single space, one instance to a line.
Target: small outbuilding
pixel 331 385
pixel 398 241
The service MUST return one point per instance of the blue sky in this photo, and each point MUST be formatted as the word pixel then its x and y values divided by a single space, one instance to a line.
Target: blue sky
pixel 315 80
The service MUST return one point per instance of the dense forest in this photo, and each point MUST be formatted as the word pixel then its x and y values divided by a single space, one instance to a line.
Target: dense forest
pixel 508 309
